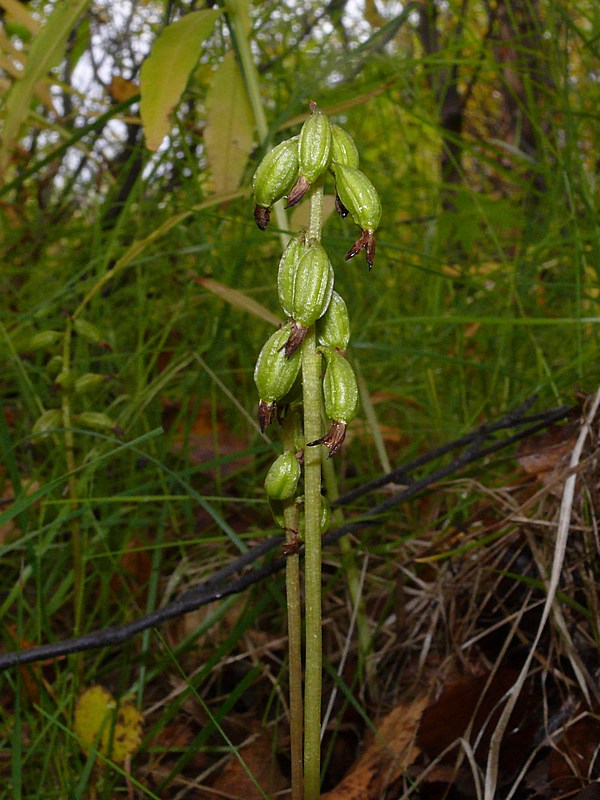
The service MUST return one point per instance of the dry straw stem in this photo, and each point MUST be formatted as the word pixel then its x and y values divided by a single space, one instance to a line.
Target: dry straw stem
pixel 564 520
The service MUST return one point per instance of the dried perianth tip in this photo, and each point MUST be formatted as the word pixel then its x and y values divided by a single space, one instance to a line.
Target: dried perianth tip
pixel 297 335
pixel 297 192
pixel 340 207
pixel 366 242
pixel 333 439
pixel 262 216
pixel 266 414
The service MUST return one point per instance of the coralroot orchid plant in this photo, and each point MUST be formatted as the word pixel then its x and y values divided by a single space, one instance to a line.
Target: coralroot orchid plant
pixel 293 387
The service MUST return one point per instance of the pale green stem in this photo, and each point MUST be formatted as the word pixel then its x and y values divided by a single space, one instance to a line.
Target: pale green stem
pixel 292 582
pixel 311 382
pixel 76 544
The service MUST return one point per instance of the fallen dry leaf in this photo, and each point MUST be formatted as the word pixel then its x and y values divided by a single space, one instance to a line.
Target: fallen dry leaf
pixel 543 454
pixel 388 756
pixel 205 439
pixel 259 759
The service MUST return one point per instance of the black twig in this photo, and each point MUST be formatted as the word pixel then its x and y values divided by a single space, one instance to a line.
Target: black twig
pixel 218 586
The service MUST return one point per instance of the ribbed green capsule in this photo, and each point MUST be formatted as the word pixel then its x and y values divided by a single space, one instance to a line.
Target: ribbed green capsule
pixel 333 329
pixel 313 285
pixel 90 332
pixel 95 419
pixel 47 422
pixel 286 275
pixel 358 195
pixel 343 149
pixel 274 177
pixel 54 366
pixel 314 148
pixel 89 382
pixel 283 476
pixel 340 389
pixel 42 340
pixel 275 374
pixel 314 153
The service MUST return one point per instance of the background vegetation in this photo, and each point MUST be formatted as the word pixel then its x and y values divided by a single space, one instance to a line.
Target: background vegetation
pixel 478 123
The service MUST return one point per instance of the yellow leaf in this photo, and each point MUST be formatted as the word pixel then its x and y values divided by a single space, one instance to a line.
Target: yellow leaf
pixel 16 12
pixel 115 729
pixel 166 71
pixel 229 131
pixel 46 51
pixel 121 89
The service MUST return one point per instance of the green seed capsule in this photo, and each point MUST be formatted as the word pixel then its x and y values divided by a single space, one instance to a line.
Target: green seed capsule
pixel 96 420
pixel 275 374
pixel 314 148
pixel 313 285
pixel 47 422
pixel 40 341
pixel 314 153
pixel 359 196
pixel 65 379
pixel 333 329
pixel 343 149
pixel 275 176
pixel 88 331
pixel 288 266
pixel 54 366
pixel 89 382
pixel 340 390
pixel 283 476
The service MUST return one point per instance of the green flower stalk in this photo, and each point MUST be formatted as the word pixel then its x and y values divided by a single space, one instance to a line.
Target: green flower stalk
pixel 316 331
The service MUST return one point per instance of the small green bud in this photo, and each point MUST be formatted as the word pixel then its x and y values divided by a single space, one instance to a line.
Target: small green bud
pixel 343 149
pixel 90 332
pixel 89 382
pixel 54 366
pixel 47 422
pixel 40 341
pixel 96 420
pixel 313 285
pixel 288 266
pixel 65 380
pixel 314 153
pixel 274 374
pixel 283 476
pixel 359 196
pixel 274 177
pixel 333 329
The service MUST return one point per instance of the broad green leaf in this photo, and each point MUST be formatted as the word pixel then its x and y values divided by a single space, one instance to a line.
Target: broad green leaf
pixel 229 131
pixel 166 71
pixel 46 51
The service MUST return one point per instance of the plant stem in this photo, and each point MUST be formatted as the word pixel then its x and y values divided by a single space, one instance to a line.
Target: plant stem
pixel 311 382
pixel 76 545
pixel 292 582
